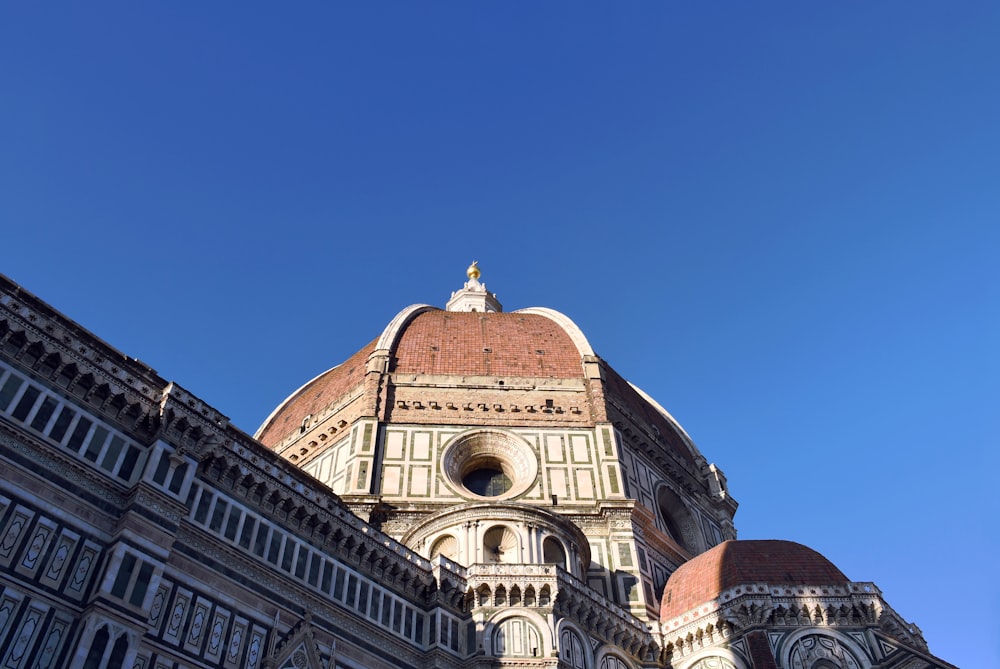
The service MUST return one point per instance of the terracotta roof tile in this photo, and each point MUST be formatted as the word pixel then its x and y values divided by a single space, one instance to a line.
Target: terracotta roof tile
pixel 445 343
pixel 486 344
pixel 732 563
pixel 311 399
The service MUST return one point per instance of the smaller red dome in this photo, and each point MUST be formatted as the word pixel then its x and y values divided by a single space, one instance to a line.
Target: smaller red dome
pixel 731 563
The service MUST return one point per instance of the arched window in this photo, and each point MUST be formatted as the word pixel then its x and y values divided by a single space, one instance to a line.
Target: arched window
pixel 713 662
pixel 118 653
pixel 822 651
pixel 517 637
pixel 178 478
pixel 553 553
pixel 614 662
pixel 97 647
pixel 571 650
pixel 487 479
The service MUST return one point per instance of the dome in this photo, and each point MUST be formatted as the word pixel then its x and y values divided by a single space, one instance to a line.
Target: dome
pixel 731 563
pixel 485 344
pixel 315 396
pixel 527 344
pixel 473 364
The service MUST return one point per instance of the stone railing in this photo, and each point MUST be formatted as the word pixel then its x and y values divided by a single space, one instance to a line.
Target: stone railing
pixel 512 584
pixel 601 616
pixel 548 585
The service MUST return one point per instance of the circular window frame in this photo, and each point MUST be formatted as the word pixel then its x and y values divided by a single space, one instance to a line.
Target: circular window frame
pixel 490 449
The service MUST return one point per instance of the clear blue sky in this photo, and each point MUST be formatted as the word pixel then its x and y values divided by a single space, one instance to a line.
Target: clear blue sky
pixel 779 219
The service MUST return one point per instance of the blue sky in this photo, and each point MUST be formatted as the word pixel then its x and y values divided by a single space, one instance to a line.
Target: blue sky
pixel 779 219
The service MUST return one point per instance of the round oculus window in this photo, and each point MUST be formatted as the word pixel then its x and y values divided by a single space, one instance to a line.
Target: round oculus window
pixel 487 481
pixel 490 464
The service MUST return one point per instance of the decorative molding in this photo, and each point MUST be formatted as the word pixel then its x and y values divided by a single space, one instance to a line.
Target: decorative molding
pixel 854 607
pixel 48 458
pixel 320 606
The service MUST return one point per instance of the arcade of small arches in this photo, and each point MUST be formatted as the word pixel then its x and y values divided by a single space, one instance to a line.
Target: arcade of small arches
pixel 484 596
pixel 689 643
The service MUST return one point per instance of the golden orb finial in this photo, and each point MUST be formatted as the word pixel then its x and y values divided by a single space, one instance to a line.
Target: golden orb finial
pixel 473 271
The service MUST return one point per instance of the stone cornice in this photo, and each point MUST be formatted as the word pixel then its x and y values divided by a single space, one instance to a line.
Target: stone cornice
pixel 656 539
pixel 570 598
pixel 762 605
pixel 601 617
pixel 65 466
pixel 319 428
pixel 297 502
pixel 321 607
pixel 43 323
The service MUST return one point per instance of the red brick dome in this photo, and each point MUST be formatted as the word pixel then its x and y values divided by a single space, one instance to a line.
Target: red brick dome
pixel 486 344
pixel 732 563
pixel 532 343
pixel 312 398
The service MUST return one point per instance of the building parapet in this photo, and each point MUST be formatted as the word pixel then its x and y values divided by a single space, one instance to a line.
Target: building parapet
pixel 496 585
pixel 772 606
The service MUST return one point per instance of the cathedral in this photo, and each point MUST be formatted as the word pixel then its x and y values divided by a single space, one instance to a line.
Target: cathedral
pixel 472 489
